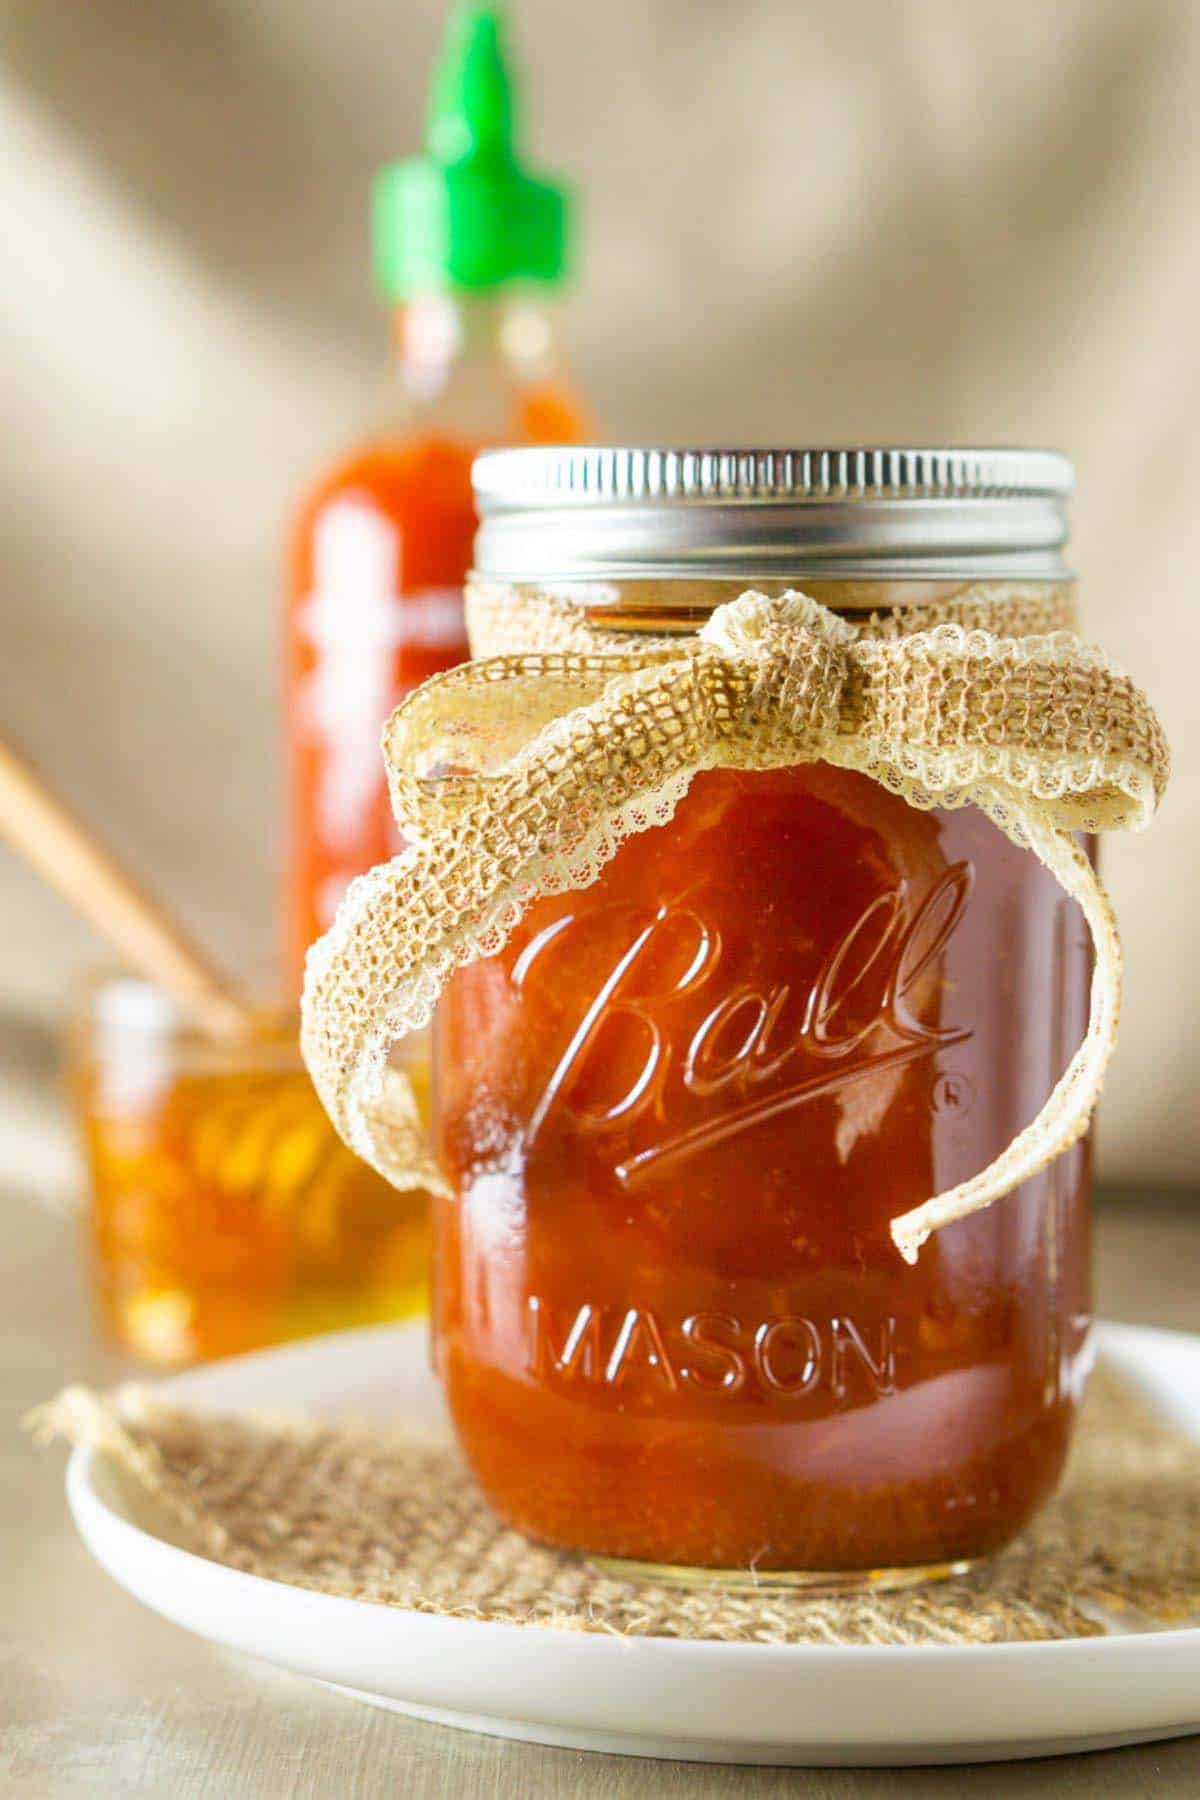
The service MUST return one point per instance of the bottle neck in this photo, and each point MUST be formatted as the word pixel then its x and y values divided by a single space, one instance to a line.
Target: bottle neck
pixel 469 352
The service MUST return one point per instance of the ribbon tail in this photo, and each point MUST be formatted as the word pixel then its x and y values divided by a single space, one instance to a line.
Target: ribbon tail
pixel 400 1140
pixel 1067 1112
pixel 373 1105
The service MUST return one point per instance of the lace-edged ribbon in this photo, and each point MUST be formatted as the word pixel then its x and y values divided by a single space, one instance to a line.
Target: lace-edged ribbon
pixel 519 776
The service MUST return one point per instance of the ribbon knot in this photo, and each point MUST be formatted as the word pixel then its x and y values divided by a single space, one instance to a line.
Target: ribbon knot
pixel 520 775
pixel 792 658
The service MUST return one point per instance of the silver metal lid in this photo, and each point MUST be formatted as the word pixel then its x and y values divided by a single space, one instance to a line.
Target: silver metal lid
pixel 581 514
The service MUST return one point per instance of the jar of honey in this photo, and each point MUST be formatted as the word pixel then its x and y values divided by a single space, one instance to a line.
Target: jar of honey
pixel 224 1214
pixel 678 1110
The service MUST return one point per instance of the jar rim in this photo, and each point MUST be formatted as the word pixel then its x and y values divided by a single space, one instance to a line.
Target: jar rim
pixel 119 1016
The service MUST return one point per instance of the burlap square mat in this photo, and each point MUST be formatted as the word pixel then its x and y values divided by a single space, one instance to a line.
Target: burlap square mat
pixel 393 1517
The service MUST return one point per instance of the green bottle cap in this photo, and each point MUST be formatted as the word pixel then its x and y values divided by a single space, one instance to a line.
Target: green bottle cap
pixel 466 214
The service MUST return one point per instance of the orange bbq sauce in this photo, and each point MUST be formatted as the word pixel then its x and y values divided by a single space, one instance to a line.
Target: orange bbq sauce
pixel 679 1111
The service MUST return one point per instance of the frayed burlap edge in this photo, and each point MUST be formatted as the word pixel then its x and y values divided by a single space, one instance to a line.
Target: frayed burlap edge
pixel 392 1517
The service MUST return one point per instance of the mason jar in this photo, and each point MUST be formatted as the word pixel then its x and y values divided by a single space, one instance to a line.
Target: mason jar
pixel 678 1111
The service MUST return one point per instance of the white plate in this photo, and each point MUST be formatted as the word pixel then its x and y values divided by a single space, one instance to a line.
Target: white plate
pixel 758 1703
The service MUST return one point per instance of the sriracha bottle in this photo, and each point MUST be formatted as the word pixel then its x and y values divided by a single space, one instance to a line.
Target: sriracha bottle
pixel 469 252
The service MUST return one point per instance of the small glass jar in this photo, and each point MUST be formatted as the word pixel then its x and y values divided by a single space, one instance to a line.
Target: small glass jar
pixel 225 1213
pixel 679 1110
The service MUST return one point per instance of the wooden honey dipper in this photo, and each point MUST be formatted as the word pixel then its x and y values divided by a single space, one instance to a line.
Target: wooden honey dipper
pixel 66 854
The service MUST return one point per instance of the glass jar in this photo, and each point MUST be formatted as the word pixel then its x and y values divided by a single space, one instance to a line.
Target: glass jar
pixel 679 1109
pixel 225 1213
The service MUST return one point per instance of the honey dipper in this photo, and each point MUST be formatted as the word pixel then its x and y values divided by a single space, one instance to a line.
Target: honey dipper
pixel 48 835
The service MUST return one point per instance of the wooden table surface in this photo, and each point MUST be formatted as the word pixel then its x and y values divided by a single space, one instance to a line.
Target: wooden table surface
pixel 99 1697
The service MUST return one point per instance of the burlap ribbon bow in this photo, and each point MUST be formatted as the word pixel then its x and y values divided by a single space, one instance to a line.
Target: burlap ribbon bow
pixel 519 776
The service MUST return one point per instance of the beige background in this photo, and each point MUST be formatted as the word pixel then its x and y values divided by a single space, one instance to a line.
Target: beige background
pixel 804 222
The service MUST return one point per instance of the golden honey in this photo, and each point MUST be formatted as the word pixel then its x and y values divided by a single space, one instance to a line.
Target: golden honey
pixel 225 1213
